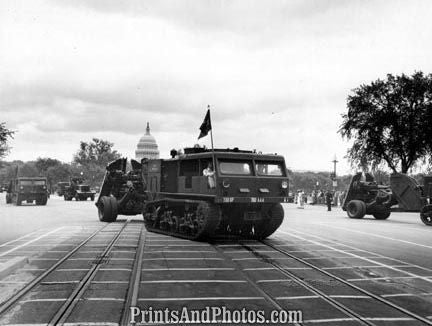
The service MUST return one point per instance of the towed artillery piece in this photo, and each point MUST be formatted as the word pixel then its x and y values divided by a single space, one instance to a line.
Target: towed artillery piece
pixel 367 197
pixel 121 192
pixel 241 197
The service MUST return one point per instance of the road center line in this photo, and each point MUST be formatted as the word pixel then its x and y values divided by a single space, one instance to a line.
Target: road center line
pixel 31 241
pixel 18 239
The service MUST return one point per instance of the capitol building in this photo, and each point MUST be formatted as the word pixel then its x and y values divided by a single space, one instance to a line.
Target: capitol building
pixel 147 147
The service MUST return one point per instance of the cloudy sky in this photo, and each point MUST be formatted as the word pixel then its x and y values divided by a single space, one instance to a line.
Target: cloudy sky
pixel 276 73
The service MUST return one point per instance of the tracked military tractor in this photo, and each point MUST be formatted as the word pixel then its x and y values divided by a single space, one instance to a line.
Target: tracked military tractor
pixel 121 192
pixel 241 196
pixel 367 197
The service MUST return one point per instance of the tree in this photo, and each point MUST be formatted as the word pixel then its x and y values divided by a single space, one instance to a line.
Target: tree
pixel 92 158
pixel 390 122
pixel 51 168
pixel 5 134
pixel 98 151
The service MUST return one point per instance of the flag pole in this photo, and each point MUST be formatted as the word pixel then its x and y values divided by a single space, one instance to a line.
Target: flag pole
pixel 213 153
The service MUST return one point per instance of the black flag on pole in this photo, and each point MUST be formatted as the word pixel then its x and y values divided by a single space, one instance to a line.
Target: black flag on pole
pixel 205 126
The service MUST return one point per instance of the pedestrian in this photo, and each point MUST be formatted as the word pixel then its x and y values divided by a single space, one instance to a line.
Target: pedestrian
pixel 328 198
pixel 300 199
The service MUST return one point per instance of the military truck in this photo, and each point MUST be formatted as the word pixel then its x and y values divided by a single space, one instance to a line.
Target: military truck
pixel 122 192
pixel 24 189
pixel 179 200
pixel 78 190
pixel 367 197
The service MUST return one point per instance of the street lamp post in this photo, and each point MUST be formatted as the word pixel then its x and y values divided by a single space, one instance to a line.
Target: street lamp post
pixel 335 161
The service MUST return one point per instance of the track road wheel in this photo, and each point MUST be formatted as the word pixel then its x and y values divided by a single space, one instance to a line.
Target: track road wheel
pixel 356 209
pixel 107 209
pixel 271 224
pixel 426 215
pixel 207 218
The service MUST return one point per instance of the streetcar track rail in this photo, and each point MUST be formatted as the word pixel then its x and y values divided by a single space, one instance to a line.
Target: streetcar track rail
pixel 135 281
pixel 265 295
pixel 350 284
pixel 9 302
pixel 66 309
pixel 341 307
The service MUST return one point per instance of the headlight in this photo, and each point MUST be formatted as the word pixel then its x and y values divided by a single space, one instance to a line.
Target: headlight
pixel 284 184
pixel 21 187
pixel 225 184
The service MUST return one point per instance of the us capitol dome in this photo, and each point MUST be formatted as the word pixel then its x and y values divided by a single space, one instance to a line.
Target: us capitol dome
pixel 147 147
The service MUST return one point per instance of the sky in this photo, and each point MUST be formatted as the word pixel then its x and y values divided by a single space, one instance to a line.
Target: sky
pixel 276 74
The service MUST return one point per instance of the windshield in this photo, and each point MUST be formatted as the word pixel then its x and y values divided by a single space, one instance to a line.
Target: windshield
pixel 269 168
pixel 235 167
pixel 32 182
pixel 84 188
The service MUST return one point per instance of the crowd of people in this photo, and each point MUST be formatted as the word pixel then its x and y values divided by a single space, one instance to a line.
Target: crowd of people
pixel 320 197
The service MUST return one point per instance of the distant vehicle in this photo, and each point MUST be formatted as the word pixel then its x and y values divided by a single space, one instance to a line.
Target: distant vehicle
pixel 61 186
pixel 28 190
pixel 244 198
pixel 78 190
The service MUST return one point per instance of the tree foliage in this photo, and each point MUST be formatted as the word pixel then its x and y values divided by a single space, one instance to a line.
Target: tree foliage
pixel 92 158
pixel 98 151
pixel 5 135
pixel 54 170
pixel 390 122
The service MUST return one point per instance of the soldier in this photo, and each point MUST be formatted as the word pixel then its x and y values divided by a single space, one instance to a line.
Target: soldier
pixel 328 198
pixel 209 173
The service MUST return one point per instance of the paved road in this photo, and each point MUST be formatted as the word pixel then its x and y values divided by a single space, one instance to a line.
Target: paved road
pixel 335 270
pixel 19 221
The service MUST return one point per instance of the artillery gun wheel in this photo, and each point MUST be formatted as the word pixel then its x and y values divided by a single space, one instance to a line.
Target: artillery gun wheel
pixel 356 209
pixel 426 215
pixel 107 208
pixel 275 216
